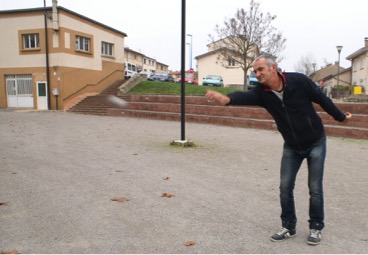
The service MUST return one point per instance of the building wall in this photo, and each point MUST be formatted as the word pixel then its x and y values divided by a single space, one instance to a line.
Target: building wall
pixel 360 71
pixel 134 58
pixel 149 65
pixel 210 65
pixel 161 68
pixel 73 72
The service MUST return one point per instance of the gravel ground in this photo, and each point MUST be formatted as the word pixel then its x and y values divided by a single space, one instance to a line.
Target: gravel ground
pixel 60 171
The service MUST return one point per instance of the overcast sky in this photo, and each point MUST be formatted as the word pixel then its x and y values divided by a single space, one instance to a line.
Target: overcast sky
pixel 311 27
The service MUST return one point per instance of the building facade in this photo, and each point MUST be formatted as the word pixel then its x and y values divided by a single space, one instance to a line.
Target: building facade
pixel 211 63
pixel 359 65
pixel 54 56
pixel 145 63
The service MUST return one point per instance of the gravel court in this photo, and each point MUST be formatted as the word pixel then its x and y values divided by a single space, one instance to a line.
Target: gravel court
pixel 59 172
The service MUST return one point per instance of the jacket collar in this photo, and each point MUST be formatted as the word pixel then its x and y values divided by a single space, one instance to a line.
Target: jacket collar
pixel 283 78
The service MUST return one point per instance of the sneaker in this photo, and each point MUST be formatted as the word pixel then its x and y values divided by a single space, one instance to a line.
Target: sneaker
pixel 283 234
pixel 314 237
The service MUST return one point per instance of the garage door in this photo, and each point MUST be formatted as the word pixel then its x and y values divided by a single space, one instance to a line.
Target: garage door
pixel 19 90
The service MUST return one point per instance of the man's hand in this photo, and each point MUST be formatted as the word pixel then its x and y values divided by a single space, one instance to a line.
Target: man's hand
pixel 348 116
pixel 217 97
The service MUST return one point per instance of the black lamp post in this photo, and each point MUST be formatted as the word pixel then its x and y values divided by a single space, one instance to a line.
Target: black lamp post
pixel 183 7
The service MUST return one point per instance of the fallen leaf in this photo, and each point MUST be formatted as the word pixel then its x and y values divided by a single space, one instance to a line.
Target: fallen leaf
pixel 167 195
pixel 9 252
pixel 166 178
pixel 119 171
pixel 120 199
pixel 189 243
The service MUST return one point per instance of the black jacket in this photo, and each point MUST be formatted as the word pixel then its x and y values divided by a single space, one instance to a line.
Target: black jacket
pixel 295 116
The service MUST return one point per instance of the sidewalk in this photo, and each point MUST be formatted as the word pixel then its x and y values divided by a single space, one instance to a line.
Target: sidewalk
pixel 60 171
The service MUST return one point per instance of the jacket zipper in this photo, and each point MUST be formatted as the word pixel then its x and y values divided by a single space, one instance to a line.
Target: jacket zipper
pixel 290 123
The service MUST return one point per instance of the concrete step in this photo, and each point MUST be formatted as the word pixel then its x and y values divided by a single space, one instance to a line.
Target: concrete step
pixel 269 124
pixel 199 109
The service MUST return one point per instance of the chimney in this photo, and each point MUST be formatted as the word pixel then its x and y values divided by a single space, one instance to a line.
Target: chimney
pixel 55 17
pixel 366 42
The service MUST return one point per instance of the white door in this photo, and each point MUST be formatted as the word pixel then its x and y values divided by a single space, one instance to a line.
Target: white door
pixel 42 103
pixel 19 90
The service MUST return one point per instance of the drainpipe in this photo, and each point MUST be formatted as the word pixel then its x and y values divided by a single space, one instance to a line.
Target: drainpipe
pixel 47 59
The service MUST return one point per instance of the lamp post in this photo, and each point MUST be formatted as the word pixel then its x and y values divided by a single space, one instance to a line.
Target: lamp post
pixel 191 50
pixel 339 48
pixel 189 55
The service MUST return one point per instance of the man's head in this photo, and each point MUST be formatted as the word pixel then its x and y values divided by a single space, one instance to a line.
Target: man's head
pixel 265 68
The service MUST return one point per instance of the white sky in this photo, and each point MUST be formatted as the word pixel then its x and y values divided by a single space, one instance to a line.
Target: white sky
pixel 311 27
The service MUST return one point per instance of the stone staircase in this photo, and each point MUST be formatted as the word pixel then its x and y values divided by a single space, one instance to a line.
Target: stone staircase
pixel 97 104
pixel 198 109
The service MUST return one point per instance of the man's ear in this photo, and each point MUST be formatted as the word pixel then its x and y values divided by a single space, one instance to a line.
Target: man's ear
pixel 274 68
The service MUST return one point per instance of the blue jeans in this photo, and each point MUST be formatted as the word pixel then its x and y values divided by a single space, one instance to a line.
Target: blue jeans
pixel 292 159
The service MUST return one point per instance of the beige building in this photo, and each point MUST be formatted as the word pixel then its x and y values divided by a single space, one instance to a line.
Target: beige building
pixel 75 57
pixel 208 64
pixel 149 65
pixel 133 57
pixel 162 68
pixel 360 66
pixel 211 63
pixel 144 63
pixel 330 76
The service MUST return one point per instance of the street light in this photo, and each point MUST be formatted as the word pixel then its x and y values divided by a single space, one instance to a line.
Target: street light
pixel 191 50
pixel 339 48
pixel 190 56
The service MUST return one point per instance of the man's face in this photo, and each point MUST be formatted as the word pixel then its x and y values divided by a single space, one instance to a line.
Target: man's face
pixel 264 73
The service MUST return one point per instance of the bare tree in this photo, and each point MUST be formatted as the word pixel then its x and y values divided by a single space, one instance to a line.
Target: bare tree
pixel 306 64
pixel 247 35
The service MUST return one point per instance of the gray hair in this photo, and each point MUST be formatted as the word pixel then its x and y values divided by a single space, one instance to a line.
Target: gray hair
pixel 270 60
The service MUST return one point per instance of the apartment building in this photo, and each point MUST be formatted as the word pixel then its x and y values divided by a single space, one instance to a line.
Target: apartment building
pixel 54 56
pixel 209 64
pixel 359 65
pixel 144 63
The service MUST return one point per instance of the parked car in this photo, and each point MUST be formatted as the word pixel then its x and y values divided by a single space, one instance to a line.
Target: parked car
pixel 213 80
pixel 189 78
pixel 252 80
pixel 147 74
pixel 161 77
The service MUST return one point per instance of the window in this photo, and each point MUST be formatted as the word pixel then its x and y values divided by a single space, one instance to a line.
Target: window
pixel 107 49
pixel 82 43
pixel 231 62
pixel 362 62
pixel 19 85
pixel 31 41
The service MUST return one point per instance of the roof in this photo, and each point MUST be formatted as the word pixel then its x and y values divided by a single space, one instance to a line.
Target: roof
pixel 357 53
pixel 66 10
pixel 212 52
pixel 159 63
pixel 133 51
pixel 328 72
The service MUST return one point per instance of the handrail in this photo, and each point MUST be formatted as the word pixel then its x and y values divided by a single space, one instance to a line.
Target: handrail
pixel 91 84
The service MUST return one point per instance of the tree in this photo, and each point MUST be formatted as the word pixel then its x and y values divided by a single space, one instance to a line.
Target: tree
pixel 246 36
pixel 306 64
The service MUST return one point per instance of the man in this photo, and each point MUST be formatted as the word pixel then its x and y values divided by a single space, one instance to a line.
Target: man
pixel 289 98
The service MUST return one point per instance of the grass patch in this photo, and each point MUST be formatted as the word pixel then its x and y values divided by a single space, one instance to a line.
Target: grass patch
pixel 169 88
